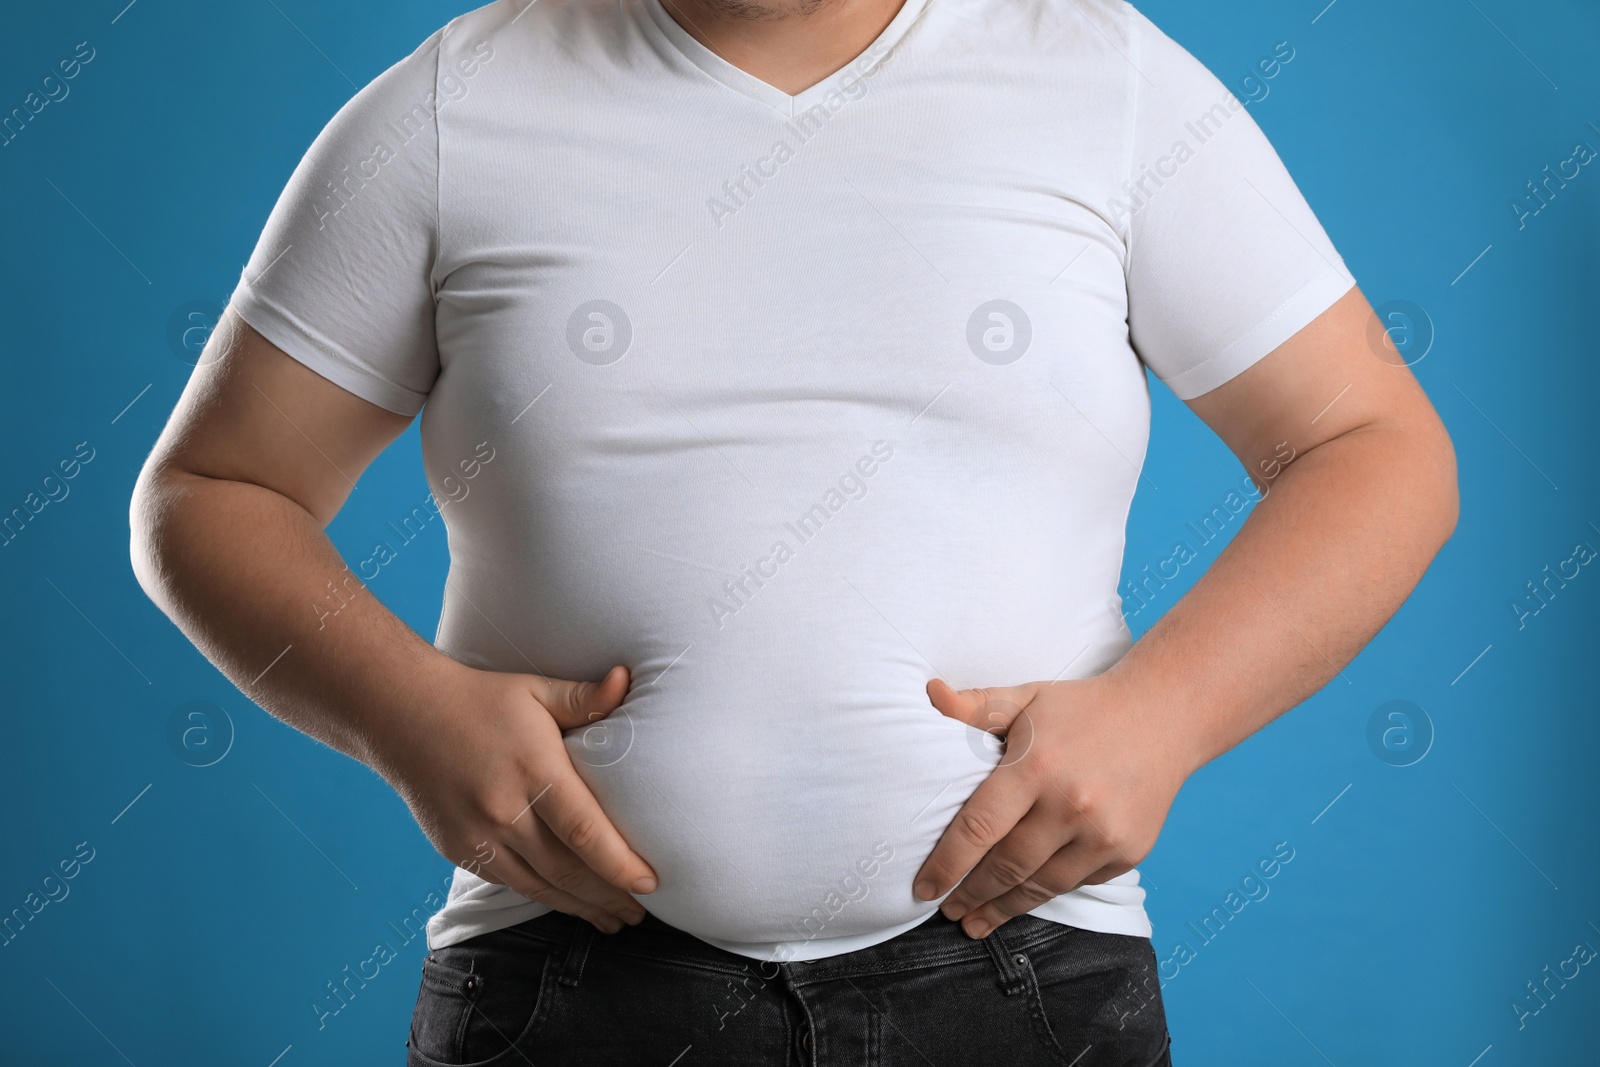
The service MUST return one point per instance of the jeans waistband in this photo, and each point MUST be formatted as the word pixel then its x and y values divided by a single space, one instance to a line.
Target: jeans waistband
pixel 935 941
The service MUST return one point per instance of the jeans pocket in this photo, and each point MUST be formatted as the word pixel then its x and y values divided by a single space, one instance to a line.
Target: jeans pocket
pixel 481 1001
pixel 1098 997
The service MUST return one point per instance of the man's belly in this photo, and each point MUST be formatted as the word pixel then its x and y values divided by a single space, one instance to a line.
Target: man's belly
pixel 788 804
pixel 777 760
pixel 788 778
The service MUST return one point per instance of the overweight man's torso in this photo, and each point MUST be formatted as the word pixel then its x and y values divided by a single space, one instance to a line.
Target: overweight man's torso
pixel 793 404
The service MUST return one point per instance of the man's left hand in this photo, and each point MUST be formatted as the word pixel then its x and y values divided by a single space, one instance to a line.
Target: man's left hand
pixel 1078 797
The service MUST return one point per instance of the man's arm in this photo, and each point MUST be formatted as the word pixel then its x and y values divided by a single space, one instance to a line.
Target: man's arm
pixel 1344 534
pixel 228 537
pixel 1341 537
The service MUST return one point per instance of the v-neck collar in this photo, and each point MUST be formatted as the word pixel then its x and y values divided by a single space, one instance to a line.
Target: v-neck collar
pixel 748 84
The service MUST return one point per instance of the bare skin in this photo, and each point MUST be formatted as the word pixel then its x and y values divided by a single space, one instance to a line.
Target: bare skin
pixel 228 519
pixel 1342 536
pixel 789 44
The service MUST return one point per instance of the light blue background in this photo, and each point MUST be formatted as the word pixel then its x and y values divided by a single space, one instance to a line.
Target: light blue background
pixel 218 904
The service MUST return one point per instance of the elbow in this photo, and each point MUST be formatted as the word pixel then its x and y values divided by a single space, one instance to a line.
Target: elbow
pixel 140 530
pixel 145 509
pixel 1446 485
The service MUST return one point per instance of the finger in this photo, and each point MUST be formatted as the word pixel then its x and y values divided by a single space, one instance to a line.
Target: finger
pixel 1108 872
pixel 991 709
pixel 1062 873
pixel 1094 827
pixel 987 816
pixel 511 870
pixel 569 809
pixel 1029 846
pixel 574 704
pixel 541 850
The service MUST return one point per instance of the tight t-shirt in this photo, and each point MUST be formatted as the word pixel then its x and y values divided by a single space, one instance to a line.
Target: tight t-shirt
pixel 793 402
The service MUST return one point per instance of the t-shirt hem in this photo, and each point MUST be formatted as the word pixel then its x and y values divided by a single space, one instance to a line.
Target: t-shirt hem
pixel 304 346
pixel 803 950
pixel 1084 913
pixel 443 934
pixel 1291 316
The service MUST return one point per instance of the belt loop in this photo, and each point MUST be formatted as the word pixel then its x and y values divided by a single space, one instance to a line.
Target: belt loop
pixel 577 954
pixel 1012 966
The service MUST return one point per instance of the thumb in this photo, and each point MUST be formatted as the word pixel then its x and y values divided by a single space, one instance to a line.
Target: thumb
pixel 574 704
pixel 992 709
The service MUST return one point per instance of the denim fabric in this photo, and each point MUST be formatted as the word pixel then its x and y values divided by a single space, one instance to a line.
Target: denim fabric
pixel 554 992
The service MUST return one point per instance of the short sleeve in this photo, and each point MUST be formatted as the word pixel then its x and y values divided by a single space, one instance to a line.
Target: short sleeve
pixel 1226 260
pixel 341 277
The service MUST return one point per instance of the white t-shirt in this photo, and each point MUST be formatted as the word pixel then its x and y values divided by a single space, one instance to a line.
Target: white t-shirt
pixel 793 403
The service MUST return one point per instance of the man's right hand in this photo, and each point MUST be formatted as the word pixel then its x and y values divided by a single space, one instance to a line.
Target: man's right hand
pixel 229 537
pixel 480 762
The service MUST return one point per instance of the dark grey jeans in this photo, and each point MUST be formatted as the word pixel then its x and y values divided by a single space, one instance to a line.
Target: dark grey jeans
pixel 555 992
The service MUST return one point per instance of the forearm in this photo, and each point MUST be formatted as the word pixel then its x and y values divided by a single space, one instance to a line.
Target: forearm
pixel 1339 540
pixel 252 579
